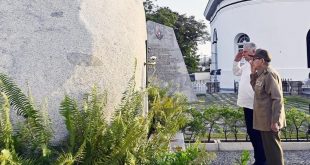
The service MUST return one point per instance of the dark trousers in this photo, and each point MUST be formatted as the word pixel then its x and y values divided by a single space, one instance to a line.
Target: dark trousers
pixel 273 149
pixel 255 138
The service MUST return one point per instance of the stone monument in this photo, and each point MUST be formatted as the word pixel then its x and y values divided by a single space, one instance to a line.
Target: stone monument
pixel 170 68
pixel 66 47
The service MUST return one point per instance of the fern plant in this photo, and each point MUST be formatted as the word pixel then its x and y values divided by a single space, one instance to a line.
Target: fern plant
pixel 69 110
pixel 131 137
pixel 126 130
pixel 8 154
pixel 5 123
pixel 85 126
pixel 39 133
pixel 69 158
pixel 165 118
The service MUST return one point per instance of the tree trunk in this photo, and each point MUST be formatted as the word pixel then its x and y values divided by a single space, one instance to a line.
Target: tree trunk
pixel 209 134
pixel 225 134
pixel 297 131
pixel 235 132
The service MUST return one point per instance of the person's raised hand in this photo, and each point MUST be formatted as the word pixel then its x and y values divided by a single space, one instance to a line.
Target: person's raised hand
pixel 239 56
pixel 253 67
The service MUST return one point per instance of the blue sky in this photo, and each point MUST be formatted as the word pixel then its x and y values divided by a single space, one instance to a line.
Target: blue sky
pixel 189 7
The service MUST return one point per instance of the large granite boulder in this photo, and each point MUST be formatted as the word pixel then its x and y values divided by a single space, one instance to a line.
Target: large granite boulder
pixel 59 47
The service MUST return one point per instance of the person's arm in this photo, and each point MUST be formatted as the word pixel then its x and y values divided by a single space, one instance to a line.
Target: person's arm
pixel 253 77
pixel 237 71
pixel 272 87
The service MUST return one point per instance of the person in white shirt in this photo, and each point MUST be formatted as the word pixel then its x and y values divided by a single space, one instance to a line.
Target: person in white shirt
pixel 246 99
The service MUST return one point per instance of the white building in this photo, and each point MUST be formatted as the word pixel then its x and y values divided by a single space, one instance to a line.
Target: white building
pixel 280 26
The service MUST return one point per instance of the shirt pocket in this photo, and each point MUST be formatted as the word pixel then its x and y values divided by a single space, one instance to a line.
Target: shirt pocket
pixel 259 91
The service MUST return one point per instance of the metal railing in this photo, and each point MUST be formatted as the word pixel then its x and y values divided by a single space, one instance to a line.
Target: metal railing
pixel 204 86
pixel 199 86
pixel 292 87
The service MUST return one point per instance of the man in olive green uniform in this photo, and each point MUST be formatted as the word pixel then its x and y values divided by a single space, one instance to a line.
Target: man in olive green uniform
pixel 269 115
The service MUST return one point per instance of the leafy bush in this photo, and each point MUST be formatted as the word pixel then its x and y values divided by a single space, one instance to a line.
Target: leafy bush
pixel 296 120
pixel 226 121
pixel 191 156
pixel 244 158
pixel 131 136
pixel 207 120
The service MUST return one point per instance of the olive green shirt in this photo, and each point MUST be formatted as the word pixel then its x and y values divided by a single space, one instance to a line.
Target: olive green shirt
pixel 268 99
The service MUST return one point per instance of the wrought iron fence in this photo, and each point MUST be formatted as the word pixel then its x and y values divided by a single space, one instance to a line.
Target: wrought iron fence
pixel 292 87
pixel 204 86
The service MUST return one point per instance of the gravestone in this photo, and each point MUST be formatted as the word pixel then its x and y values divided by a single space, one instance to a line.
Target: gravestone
pixel 170 68
pixel 62 47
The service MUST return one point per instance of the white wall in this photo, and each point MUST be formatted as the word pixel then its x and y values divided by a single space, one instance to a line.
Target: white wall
pixel 202 76
pixel 279 27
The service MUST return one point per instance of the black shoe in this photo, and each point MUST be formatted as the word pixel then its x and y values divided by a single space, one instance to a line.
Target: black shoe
pixel 260 163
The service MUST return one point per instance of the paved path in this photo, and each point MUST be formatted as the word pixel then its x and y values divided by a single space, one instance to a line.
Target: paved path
pixel 291 157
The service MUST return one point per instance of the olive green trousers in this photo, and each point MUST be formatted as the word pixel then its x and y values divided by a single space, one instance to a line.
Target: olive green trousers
pixel 272 147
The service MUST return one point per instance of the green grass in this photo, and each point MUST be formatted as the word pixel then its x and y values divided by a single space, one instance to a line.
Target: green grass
pixel 299 102
pixel 297 99
pixel 230 99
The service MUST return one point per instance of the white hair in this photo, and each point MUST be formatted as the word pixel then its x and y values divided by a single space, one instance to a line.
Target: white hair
pixel 249 46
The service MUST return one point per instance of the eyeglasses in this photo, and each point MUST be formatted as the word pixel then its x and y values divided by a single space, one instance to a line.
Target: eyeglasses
pixel 256 58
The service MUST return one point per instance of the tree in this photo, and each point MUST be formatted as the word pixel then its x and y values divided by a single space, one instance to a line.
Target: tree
pixel 211 115
pixel 197 125
pixel 227 117
pixel 297 119
pixel 236 121
pixel 189 32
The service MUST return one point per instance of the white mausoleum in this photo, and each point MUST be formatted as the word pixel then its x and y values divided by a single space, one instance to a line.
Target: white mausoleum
pixel 280 26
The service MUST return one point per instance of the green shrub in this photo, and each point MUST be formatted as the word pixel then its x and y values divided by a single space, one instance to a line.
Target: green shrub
pixel 131 136
pixel 191 156
pixel 244 158
pixel 295 120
